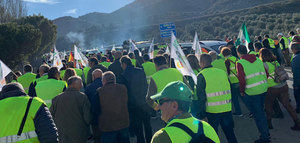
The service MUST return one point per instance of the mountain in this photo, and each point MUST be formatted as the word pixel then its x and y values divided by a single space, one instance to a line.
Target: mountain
pixel 140 19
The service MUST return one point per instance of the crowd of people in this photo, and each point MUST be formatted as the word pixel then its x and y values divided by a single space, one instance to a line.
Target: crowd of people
pixel 114 97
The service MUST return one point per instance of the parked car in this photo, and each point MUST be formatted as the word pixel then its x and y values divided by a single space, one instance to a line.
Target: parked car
pixel 205 45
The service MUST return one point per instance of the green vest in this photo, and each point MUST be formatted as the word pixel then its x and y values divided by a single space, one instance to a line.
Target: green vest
pixel 196 71
pixel 133 62
pixel 149 68
pixel 79 72
pixel 290 39
pixel 42 78
pixel 106 64
pixel 178 135
pixel 62 74
pixel 164 77
pixel 271 71
pixel 233 73
pixel 217 90
pixel 26 80
pixel 286 43
pixel 85 72
pixel 155 53
pixel 220 64
pixel 12 110
pixel 254 53
pixel 271 43
pixel 255 76
pixel 48 89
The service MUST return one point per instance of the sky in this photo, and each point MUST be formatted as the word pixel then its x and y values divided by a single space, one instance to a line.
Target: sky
pixel 57 8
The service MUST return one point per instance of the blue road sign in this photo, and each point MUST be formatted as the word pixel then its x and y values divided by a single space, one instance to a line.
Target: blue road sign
pixel 166 29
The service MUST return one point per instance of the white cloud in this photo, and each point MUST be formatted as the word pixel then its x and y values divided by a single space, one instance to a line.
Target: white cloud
pixel 42 1
pixel 72 11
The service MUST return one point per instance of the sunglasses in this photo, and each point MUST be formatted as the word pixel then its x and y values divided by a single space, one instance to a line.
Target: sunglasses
pixel 162 101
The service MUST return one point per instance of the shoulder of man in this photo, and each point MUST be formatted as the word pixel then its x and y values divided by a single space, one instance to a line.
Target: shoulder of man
pixel 161 136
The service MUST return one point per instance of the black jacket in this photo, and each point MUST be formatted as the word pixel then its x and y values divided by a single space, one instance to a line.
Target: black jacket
pixel 137 86
pixel 116 68
pixel 43 122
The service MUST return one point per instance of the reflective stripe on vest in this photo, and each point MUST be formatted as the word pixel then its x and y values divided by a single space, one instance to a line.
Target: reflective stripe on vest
pixel 16 138
pixel 218 93
pixel 256 84
pixel 255 74
pixel 218 103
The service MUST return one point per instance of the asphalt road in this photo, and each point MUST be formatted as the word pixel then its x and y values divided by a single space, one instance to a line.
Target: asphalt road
pixel 245 128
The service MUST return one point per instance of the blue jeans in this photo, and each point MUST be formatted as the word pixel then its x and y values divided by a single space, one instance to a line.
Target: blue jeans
pixel 121 136
pixel 235 95
pixel 255 104
pixel 226 122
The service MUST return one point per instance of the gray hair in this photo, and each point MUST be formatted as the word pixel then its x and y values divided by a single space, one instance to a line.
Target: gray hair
pixel 109 77
pixel 73 79
pixel 213 55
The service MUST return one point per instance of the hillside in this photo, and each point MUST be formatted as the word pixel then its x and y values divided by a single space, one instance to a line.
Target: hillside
pixel 139 20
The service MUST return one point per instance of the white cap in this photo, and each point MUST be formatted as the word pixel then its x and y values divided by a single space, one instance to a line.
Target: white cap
pixel 298 29
pixel 279 34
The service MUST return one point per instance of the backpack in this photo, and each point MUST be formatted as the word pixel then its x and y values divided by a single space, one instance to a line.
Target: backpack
pixel 198 137
pixel 280 75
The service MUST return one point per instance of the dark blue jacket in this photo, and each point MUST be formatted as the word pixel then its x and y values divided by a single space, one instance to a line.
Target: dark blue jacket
pixel 137 86
pixel 92 94
pixel 296 69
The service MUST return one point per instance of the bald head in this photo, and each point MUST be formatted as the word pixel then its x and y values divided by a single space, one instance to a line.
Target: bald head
pixel 97 73
pixel 213 55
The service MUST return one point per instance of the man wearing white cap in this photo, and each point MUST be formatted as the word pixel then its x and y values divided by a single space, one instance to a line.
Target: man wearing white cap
pixel 284 45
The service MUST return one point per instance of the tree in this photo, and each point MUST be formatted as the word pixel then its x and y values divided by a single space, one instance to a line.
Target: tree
pixel 17 41
pixel 11 10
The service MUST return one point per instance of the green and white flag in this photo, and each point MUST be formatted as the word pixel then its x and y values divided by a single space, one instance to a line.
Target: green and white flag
pixel 180 60
pixel 56 59
pixel 243 38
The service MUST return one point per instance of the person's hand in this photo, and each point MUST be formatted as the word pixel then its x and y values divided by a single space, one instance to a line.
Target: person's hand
pixel 242 94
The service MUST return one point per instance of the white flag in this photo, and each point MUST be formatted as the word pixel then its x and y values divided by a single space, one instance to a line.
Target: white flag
pixel 113 48
pixel 4 71
pixel 133 47
pixel 168 50
pixel 56 59
pixel 197 46
pixel 180 60
pixel 151 50
pixel 79 57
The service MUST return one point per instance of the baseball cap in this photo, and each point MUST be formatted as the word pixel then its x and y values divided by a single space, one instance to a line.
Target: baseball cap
pixel 176 90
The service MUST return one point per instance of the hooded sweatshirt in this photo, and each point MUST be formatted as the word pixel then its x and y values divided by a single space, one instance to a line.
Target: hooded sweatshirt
pixel 240 71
